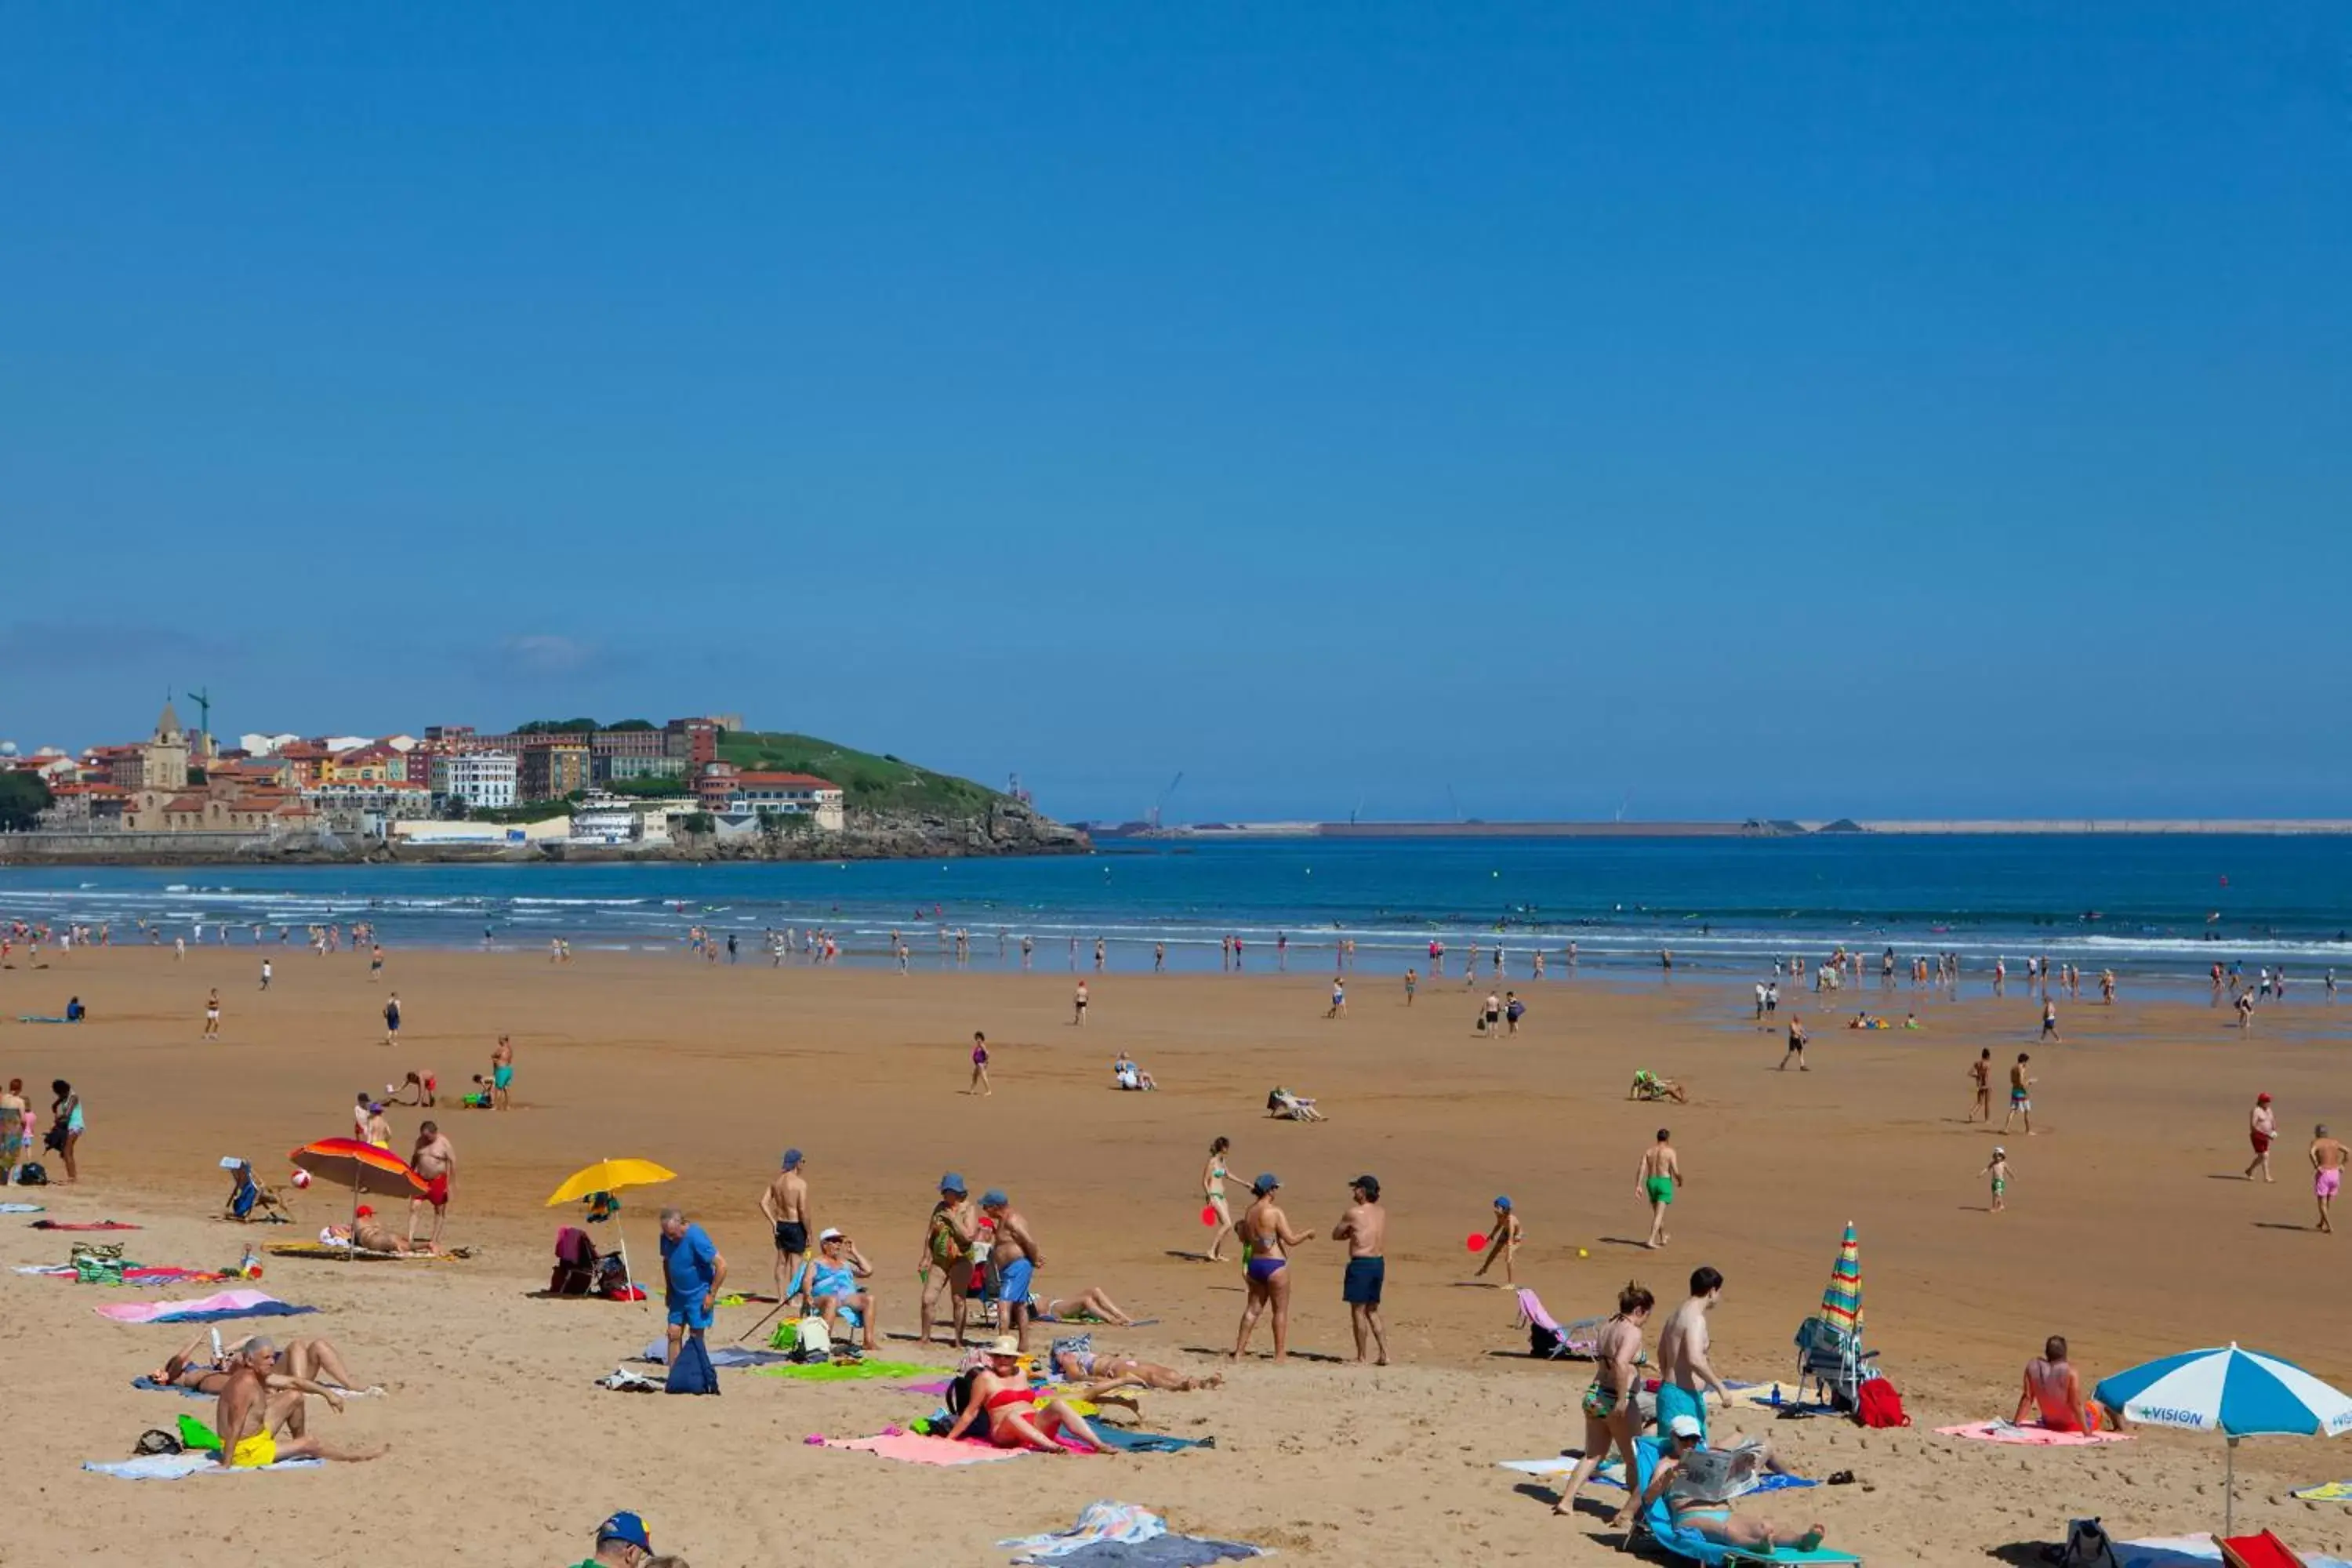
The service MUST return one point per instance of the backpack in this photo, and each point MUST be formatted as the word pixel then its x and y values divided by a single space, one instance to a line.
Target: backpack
pixel 1878 1404
pixel 814 1341
pixel 2088 1546
pixel 1544 1344
pixel 692 1371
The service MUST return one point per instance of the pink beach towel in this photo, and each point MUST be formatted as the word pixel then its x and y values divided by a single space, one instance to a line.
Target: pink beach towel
pixel 914 1448
pixel 2031 1437
pixel 147 1311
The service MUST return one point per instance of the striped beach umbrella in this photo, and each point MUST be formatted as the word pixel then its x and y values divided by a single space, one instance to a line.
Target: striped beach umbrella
pixel 1842 1303
pixel 2237 1392
pixel 363 1167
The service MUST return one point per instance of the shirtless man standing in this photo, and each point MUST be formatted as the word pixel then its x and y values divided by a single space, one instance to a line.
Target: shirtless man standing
pixel 1013 1262
pixel 1980 1075
pixel 1364 1227
pixel 502 1073
pixel 2328 1158
pixel 785 1204
pixel 2021 1097
pixel 2261 1127
pixel 435 1160
pixel 1266 1236
pixel 1660 1175
pixel 1684 1374
pixel 259 1413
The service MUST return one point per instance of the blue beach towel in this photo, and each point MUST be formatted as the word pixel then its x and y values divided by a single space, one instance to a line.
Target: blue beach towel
pixel 264 1310
pixel 1121 1440
pixel 149 1385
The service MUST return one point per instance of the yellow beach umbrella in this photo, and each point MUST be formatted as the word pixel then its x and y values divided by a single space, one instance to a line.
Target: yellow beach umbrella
pixel 611 1176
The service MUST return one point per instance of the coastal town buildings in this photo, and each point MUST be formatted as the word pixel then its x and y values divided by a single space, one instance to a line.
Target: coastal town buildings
pixel 484 781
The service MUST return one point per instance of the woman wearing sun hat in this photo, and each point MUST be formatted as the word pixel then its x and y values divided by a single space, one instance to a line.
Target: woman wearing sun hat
pixel 1009 1412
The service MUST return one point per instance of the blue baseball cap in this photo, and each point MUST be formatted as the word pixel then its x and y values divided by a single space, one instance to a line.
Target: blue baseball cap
pixel 1502 1202
pixel 994 1198
pixel 951 1182
pixel 793 1157
pixel 1266 1184
pixel 627 1528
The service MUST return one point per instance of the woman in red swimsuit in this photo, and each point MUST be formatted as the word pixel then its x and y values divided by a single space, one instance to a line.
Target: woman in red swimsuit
pixel 1016 1417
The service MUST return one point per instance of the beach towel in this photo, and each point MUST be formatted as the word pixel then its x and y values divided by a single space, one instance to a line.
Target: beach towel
pixel 1099 1521
pixel 174 1467
pixel 2189 1552
pixel 20 1208
pixel 721 1356
pixel 842 1372
pixel 913 1448
pixel 346 1253
pixel 1094 1322
pixel 1612 1473
pixel 151 1386
pixel 1124 1441
pixel 626 1382
pixel 1165 1551
pixel 2331 1491
pixel 212 1309
pixel 96 1225
pixel 2031 1437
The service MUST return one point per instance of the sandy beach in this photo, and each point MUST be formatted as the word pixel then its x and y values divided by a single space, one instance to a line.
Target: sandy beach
pixel 2128 1231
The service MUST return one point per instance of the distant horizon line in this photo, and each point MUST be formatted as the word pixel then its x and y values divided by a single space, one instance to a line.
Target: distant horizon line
pixel 1748 827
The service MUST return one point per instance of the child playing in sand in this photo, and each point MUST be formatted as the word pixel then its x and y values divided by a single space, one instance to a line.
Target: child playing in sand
pixel 1998 1169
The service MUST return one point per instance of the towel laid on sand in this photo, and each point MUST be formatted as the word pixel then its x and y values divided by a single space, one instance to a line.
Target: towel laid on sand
pixel 20 1208
pixel 626 1382
pixel 840 1372
pixel 913 1448
pixel 174 1466
pixel 214 1309
pixel 657 1353
pixel 1124 1441
pixel 2189 1551
pixel 2031 1437
pixel 151 1386
pixel 1097 1322
pixel 89 1224
pixel 2331 1491
pixel 1123 1533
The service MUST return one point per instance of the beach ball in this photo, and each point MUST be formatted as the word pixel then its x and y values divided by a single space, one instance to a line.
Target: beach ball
pixel 1209 1216
pixel 1478 1241
pixel 1581 1253
pixel 301 1177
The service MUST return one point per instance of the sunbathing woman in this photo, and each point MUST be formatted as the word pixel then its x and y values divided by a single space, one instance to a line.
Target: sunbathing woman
pixel 315 1359
pixel 1079 1362
pixel 1002 1398
pixel 1094 1303
pixel 1700 1512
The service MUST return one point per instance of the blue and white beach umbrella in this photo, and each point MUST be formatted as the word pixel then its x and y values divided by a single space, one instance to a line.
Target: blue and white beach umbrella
pixel 2237 1392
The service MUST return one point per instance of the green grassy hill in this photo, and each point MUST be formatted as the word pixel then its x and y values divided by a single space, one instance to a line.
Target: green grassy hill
pixel 868 782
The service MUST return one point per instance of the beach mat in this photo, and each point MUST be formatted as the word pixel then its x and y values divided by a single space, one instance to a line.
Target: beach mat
pixel 177 1467
pixel 720 1355
pixel 1612 1473
pixel 1083 1321
pixel 913 1448
pixel 149 1385
pixel 2190 1552
pixel 214 1309
pixel 1126 1441
pixel 2329 1491
pixel 86 1224
pixel 841 1372
pixel 1167 1552
pixel 20 1208
pixel 2030 1437
pixel 1126 1535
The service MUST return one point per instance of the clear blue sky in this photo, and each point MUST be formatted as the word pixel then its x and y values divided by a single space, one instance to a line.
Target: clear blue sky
pixel 1781 409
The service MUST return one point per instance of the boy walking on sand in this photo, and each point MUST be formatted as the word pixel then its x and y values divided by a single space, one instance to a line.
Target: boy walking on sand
pixel 2021 1098
pixel 2261 1127
pixel 1998 1169
pixel 1980 1075
pixel 2328 1159
pixel 1796 1051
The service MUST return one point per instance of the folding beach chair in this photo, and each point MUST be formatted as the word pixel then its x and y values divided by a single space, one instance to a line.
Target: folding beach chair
pixel 1834 1359
pixel 1655 1524
pixel 249 1202
pixel 1547 1340
pixel 2263 1551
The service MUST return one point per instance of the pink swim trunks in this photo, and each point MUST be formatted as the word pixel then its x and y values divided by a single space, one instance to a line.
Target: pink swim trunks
pixel 2325 1183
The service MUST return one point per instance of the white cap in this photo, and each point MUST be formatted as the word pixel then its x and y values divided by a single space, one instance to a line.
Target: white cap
pixel 828 1234
pixel 1685 1426
pixel 230 1161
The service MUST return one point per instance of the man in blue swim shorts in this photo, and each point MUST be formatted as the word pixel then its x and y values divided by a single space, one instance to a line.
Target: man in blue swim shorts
pixel 1013 1262
pixel 1365 1228
pixel 1685 1374
pixel 693 1271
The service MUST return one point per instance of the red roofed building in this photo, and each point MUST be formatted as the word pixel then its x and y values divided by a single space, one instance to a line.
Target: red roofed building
pixel 790 795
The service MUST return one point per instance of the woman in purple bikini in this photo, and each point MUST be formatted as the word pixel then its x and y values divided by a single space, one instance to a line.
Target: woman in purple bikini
pixel 1265 1233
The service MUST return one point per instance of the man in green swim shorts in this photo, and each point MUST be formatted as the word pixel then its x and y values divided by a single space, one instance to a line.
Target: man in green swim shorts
pixel 1661 1172
pixel 501 1072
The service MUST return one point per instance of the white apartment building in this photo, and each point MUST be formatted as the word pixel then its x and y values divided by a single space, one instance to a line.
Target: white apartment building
pixel 485 781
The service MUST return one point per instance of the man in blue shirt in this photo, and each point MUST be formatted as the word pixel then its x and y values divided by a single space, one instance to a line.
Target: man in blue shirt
pixel 694 1271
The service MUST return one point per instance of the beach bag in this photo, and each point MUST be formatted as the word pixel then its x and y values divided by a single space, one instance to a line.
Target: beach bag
pixel 692 1371
pixel 155 1440
pixel 1544 1344
pixel 786 1337
pixel 32 1175
pixel 1878 1404
pixel 812 1341
pixel 2088 1545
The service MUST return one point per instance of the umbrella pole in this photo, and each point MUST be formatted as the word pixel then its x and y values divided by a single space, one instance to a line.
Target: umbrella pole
pixel 2229 1487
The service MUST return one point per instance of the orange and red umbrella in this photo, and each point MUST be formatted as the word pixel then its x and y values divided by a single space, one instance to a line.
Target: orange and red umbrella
pixel 363 1167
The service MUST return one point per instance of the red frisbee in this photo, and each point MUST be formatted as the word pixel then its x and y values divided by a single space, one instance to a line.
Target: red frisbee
pixel 1209 1216
pixel 1477 1243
